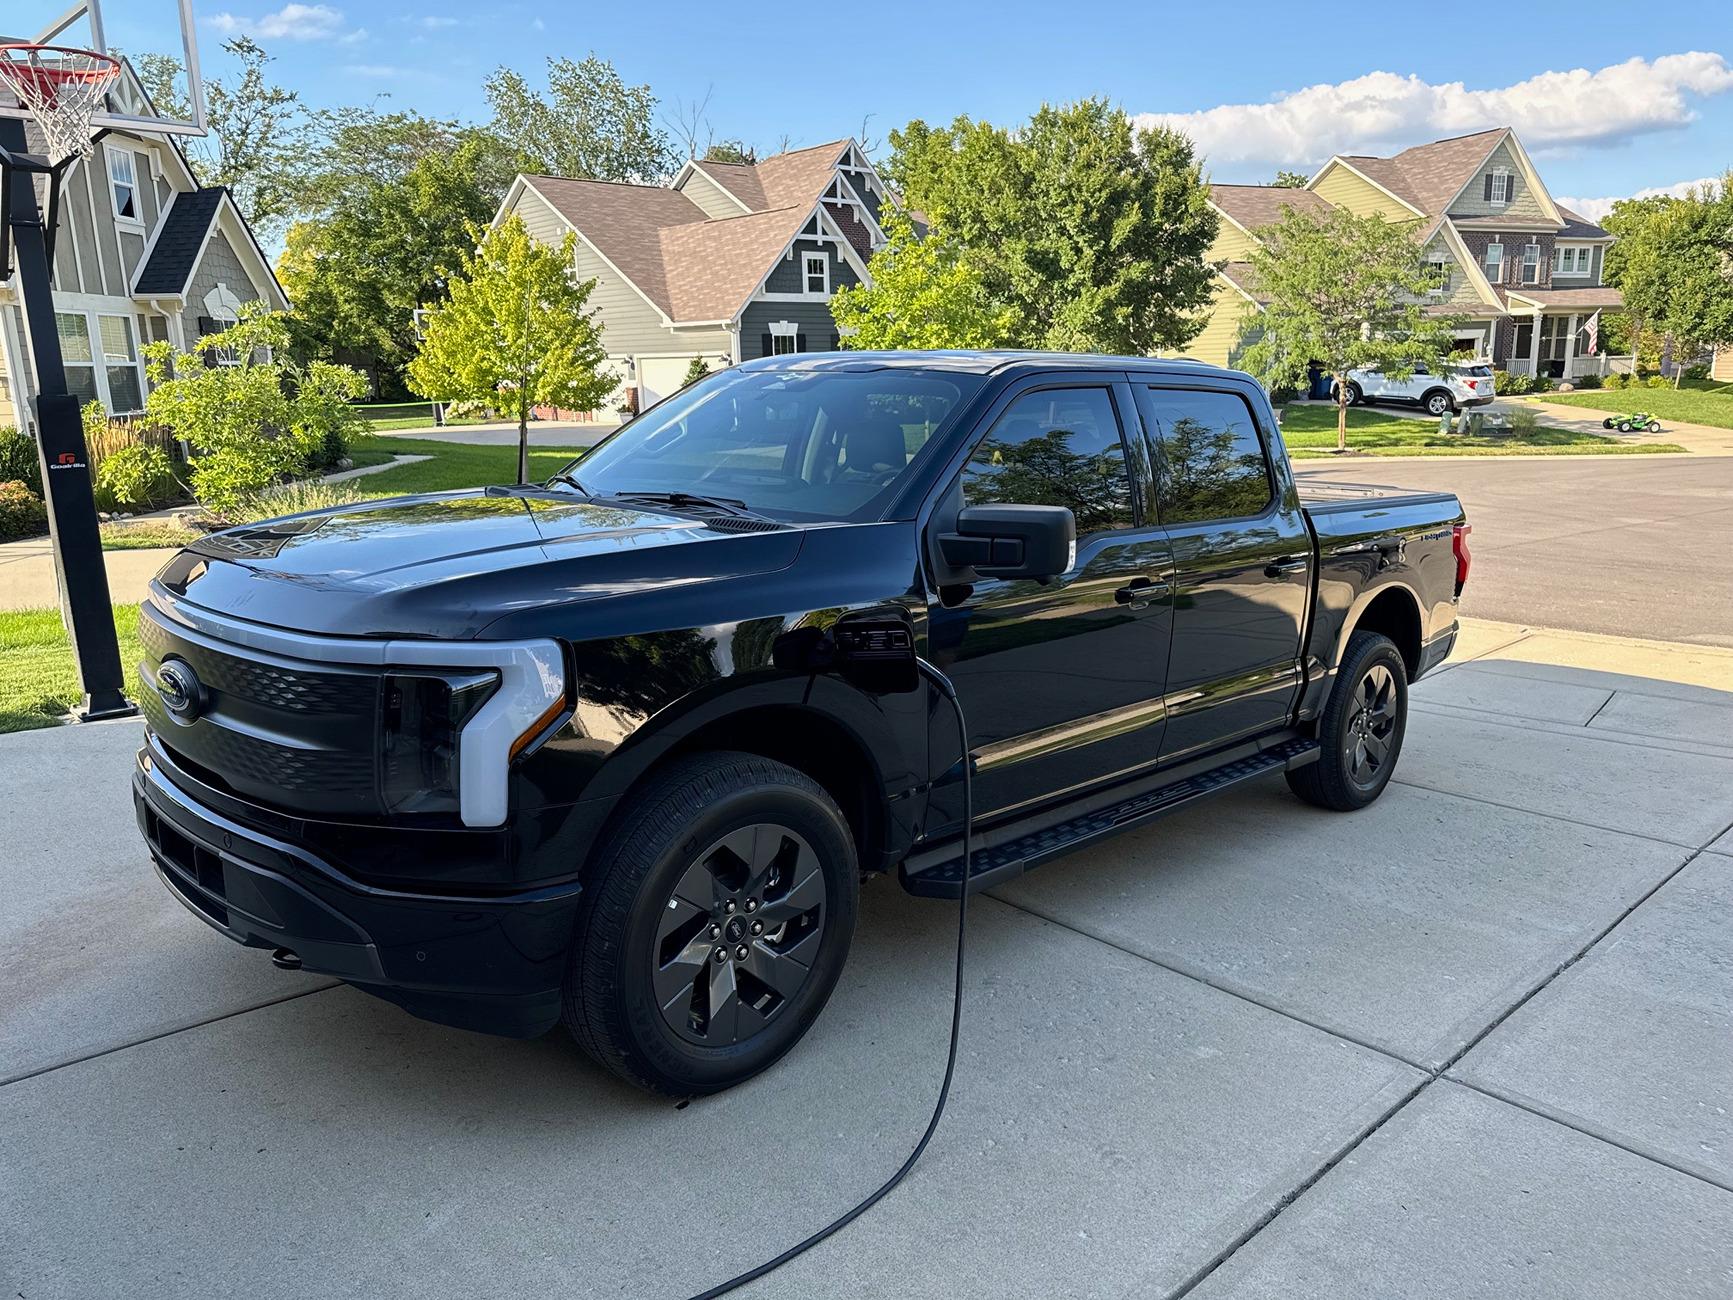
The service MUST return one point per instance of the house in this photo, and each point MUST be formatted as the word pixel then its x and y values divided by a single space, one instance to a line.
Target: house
pixel 1523 273
pixel 726 262
pixel 142 252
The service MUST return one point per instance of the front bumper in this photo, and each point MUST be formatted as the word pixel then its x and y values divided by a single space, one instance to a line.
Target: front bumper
pixel 492 962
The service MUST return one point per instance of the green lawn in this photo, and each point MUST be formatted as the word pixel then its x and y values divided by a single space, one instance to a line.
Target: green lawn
pixel 37 681
pixel 455 465
pixel 1697 402
pixel 1310 432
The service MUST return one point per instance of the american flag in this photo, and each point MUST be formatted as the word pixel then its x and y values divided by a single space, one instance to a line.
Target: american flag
pixel 1592 328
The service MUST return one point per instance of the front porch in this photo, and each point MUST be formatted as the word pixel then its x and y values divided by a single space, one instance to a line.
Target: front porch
pixel 1556 334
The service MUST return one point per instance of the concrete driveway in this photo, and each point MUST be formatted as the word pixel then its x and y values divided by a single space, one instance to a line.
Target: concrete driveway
pixel 1474 1041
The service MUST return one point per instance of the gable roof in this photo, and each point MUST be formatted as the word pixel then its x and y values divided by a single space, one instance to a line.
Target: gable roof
pixel 1580 227
pixel 1431 175
pixel 691 267
pixel 1251 206
pixel 179 240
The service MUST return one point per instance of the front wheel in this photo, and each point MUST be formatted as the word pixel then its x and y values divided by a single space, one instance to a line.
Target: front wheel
pixel 716 924
pixel 1654 426
pixel 1361 728
pixel 1607 423
pixel 1356 396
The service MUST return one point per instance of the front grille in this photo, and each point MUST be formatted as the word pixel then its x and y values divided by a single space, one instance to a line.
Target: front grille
pixel 194 872
pixel 285 733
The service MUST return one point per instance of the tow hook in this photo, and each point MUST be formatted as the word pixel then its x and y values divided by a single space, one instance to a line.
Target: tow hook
pixel 286 959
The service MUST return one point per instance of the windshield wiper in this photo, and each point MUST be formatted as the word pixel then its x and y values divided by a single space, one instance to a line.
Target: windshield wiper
pixel 692 500
pixel 571 480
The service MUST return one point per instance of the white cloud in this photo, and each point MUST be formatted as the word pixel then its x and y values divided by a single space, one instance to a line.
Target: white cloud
pixel 433 22
pixel 293 22
pixel 1382 112
pixel 1595 209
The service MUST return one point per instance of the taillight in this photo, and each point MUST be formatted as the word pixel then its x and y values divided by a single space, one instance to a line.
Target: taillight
pixel 1459 548
pixel 1471 384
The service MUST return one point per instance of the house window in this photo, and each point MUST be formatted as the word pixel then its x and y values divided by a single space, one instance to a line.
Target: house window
pixel 1495 263
pixel 120 364
pixel 784 338
pixel 1573 259
pixel 224 310
pixel 77 356
pixel 123 185
pixel 1439 271
pixel 815 273
pixel 1531 264
pixel 1498 187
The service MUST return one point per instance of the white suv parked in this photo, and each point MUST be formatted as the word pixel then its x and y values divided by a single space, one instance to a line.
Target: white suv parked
pixel 1455 387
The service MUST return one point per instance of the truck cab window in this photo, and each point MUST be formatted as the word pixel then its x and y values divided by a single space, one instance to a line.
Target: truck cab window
pixel 1211 462
pixel 1055 447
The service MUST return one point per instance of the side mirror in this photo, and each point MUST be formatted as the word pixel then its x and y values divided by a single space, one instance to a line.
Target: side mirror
pixel 1012 541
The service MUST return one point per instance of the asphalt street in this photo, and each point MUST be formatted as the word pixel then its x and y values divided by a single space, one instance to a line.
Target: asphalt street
pixel 1638 546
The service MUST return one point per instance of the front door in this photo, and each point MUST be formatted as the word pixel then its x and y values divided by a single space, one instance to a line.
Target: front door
pixel 1555 334
pixel 1061 680
pixel 1242 556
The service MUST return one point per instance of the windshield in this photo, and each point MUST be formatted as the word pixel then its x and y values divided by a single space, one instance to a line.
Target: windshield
pixel 791 444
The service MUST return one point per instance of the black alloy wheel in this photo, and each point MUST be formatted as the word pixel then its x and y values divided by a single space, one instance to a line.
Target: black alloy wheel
pixel 1360 729
pixel 737 937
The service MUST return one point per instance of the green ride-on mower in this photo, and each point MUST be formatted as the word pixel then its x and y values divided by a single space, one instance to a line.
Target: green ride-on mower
pixel 1636 421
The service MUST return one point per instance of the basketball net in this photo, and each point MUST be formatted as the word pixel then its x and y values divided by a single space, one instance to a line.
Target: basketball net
pixel 62 88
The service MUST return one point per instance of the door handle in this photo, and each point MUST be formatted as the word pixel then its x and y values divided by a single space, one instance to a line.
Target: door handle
pixel 1286 565
pixel 1139 591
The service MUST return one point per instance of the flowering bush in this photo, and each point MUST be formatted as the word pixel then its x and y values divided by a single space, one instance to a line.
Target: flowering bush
pixel 22 513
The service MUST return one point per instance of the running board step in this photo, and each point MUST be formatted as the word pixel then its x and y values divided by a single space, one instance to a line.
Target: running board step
pixel 1002 862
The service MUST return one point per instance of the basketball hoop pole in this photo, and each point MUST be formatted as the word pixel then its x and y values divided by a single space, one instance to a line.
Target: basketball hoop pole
pixel 66 485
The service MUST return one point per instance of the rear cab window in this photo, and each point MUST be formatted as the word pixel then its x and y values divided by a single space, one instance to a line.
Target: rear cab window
pixel 1210 459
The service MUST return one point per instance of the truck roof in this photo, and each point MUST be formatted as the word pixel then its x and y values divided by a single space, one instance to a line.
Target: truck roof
pixel 980 363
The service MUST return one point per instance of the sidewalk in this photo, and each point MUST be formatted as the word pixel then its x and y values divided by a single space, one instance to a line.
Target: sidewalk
pixel 1475 1040
pixel 1701 439
pixel 542 434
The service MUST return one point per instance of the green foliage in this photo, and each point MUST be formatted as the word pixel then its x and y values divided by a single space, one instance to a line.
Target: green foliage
pixel 259 133
pixel 22 513
pixel 1588 381
pixel 293 499
pixel 731 151
pixel 137 476
pixel 19 462
pixel 1615 381
pixel 1287 180
pixel 254 422
pixel 1348 292
pixel 590 125
pixel 1657 381
pixel 324 413
pixel 1694 373
pixel 1673 263
pixel 516 331
pixel 696 371
pixel 1506 384
pixel 1077 230
pixel 926 293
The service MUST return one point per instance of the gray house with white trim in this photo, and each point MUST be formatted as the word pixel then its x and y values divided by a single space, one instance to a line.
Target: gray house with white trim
pixel 727 262
pixel 142 253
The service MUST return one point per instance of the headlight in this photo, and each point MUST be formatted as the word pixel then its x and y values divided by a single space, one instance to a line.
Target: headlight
pixel 423 721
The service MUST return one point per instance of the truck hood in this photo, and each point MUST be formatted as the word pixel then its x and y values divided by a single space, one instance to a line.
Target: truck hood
pixel 448 564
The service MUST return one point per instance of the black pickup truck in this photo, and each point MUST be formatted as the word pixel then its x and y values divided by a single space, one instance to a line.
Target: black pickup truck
pixel 618 749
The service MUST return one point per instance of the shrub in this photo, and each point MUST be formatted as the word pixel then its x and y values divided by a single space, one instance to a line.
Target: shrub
pixel 1523 420
pixel 22 513
pixel 292 499
pixel 1509 385
pixel 18 459
pixel 1657 381
pixel 696 371
pixel 1696 373
pixel 324 414
pixel 1282 394
pixel 139 475
pixel 1615 380
pixel 1589 381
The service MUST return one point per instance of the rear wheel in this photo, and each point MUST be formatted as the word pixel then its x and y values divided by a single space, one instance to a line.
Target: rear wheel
pixel 1437 402
pixel 716 925
pixel 1361 728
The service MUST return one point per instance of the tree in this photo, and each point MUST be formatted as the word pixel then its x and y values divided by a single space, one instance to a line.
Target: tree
pixel 926 293
pixel 591 125
pixel 1091 233
pixel 516 331
pixel 731 151
pixel 385 244
pixel 1287 180
pixel 1347 292
pixel 1674 265
pixel 259 138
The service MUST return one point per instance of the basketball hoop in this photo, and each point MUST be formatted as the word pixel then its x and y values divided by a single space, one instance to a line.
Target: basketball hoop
pixel 62 87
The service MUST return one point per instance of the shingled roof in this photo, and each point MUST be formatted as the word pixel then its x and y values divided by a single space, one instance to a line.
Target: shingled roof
pixel 178 243
pixel 1253 206
pixel 1429 176
pixel 691 266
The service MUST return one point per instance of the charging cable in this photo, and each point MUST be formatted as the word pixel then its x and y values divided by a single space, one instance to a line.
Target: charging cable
pixel 800 1248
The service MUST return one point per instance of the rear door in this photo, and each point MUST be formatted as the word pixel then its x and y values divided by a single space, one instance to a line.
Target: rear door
pixel 1061 680
pixel 1242 556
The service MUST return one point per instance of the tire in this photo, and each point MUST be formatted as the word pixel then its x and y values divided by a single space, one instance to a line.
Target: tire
pixel 1356 396
pixel 1624 426
pixel 1437 402
pixel 1607 423
pixel 759 845
pixel 1654 426
pixel 1336 781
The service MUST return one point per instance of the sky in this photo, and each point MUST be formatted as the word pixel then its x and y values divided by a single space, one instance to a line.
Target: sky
pixel 1611 99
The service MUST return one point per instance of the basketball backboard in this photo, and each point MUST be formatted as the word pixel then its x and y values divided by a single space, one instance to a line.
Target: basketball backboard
pixel 128 29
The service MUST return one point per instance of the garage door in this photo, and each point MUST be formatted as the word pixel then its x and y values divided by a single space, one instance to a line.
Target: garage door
pixel 659 376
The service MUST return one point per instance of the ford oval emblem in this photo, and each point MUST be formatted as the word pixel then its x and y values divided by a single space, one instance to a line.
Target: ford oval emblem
pixel 182 695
